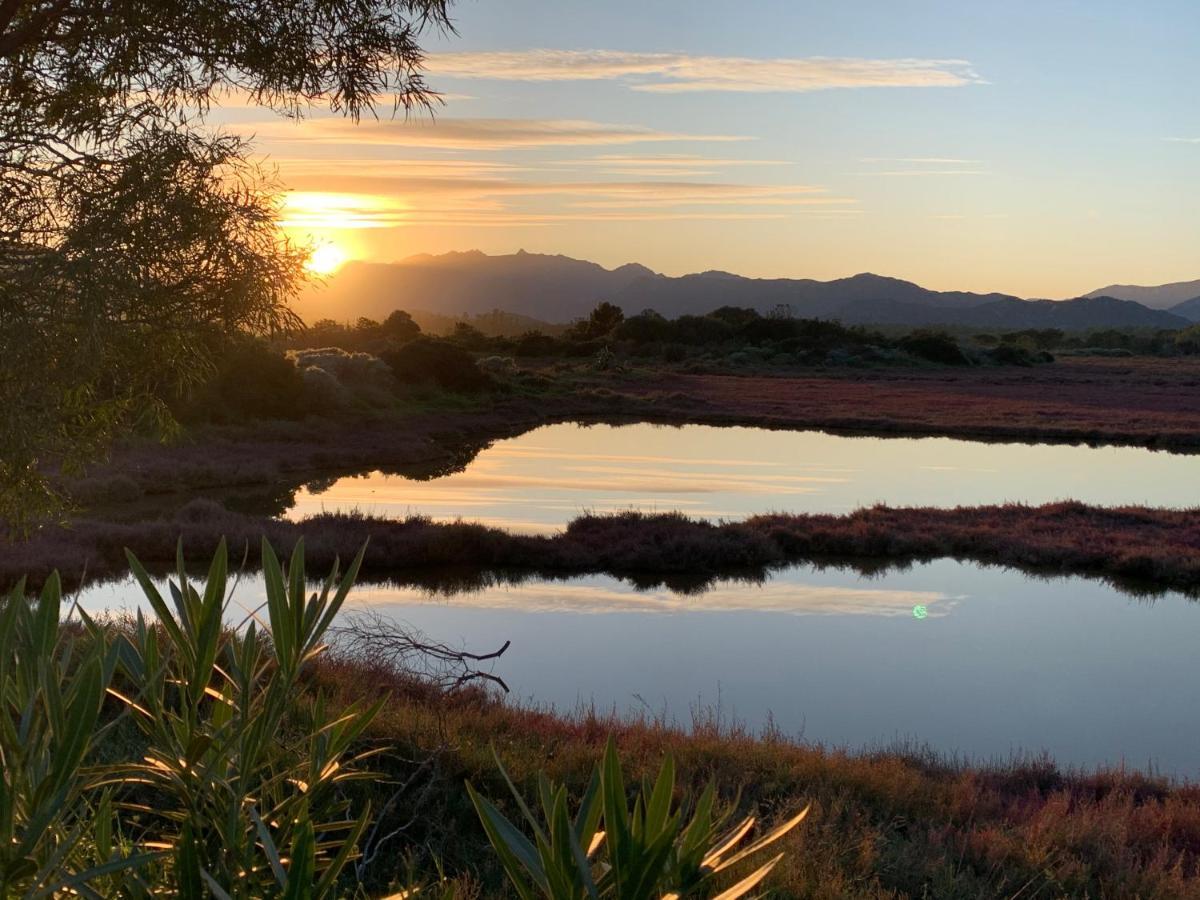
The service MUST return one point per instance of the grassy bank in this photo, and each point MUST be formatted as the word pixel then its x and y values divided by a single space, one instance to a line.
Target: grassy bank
pixel 1144 549
pixel 1138 402
pixel 886 825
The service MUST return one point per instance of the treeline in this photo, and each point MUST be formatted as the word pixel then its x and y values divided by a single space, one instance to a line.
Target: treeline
pixel 370 364
pixel 732 335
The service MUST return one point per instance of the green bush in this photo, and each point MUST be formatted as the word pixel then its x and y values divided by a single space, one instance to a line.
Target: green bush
pixel 251 380
pixel 934 346
pixel 432 361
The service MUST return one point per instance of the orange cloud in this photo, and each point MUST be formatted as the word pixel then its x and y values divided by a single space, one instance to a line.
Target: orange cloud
pixel 680 72
pixel 471 134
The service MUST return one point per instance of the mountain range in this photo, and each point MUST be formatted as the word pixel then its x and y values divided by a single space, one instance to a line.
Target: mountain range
pixel 561 289
pixel 1162 296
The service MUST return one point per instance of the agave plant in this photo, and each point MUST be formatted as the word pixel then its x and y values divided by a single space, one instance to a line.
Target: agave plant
pixel 56 832
pixel 644 852
pixel 241 780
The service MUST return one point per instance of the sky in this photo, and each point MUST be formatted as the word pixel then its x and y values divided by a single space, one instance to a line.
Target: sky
pixel 1042 149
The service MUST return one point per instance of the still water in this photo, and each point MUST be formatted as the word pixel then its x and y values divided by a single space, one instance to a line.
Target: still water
pixel 541 480
pixel 993 663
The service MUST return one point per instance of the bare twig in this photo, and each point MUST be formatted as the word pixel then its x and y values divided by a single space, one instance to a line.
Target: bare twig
pixel 373 638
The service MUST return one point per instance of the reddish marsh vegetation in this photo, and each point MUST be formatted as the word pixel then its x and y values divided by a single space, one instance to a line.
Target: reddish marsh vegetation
pixel 884 825
pixel 1154 548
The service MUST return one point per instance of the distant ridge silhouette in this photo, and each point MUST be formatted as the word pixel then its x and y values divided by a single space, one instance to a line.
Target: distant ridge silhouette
pixel 1161 296
pixel 561 289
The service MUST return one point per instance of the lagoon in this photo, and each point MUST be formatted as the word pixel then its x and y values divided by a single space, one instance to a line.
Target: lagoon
pixel 976 662
pixel 539 481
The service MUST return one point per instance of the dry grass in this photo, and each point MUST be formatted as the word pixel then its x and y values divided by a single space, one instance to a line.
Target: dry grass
pixel 884 825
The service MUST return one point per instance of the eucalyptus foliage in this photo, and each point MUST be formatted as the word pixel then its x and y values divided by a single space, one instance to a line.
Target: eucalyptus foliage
pixel 132 236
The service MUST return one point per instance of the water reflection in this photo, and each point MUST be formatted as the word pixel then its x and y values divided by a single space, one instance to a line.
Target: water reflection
pixel 537 482
pixel 1001 663
pixel 589 596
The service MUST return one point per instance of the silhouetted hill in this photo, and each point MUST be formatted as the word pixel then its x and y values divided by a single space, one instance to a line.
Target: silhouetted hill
pixel 554 288
pixel 1162 296
pixel 1189 309
pixel 560 289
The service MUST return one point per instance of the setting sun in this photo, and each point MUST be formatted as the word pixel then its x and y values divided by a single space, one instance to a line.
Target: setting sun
pixel 326 259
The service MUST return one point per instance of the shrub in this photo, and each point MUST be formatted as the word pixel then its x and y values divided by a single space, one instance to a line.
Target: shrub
pixel 1188 340
pixel 1011 355
pixel 251 381
pixel 644 328
pixel 934 346
pixel 431 361
pixel 536 344
pixel 603 319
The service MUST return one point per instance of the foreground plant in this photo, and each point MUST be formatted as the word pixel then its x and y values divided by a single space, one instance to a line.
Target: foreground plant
pixel 241 775
pixel 55 832
pixel 644 852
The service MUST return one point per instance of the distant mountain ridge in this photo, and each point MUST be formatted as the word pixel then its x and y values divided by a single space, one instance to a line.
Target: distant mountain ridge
pixel 561 289
pixel 1189 309
pixel 1161 296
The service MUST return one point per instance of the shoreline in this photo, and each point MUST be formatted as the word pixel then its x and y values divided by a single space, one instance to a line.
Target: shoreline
pixel 1137 549
pixel 1074 403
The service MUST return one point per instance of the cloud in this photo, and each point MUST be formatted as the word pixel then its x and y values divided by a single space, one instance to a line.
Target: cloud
pixel 681 73
pixel 667 165
pixel 398 199
pixel 473 134
pixel 922 160
pixel 906 172
pixel 921 166
pixel 1183 140
pixel 331 200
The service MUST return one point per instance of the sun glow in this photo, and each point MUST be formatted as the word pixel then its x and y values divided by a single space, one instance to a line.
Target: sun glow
pixel 326 259
pixel 324 211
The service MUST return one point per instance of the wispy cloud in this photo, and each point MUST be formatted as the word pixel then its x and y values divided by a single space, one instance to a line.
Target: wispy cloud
pixel 668 165
pixel 1183 140
pixel 922 160
pixel 682 72
pixel 380 201
pixel 908 172
pixel 906 166
pixel 473 134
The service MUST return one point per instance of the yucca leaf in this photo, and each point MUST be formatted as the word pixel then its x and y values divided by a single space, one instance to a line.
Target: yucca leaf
pixel 658 808
pixel 517 854
pixel 154 598
pixel 765 841
pixel 302 871
pixel 750 882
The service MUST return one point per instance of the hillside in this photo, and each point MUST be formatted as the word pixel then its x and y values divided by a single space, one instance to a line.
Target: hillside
pixel 1162 296
pixel 1189 309
pixel 561 289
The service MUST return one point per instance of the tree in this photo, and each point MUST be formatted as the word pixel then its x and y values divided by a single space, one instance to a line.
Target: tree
pixel 132 240
pixel 603 319
pixel 399 327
